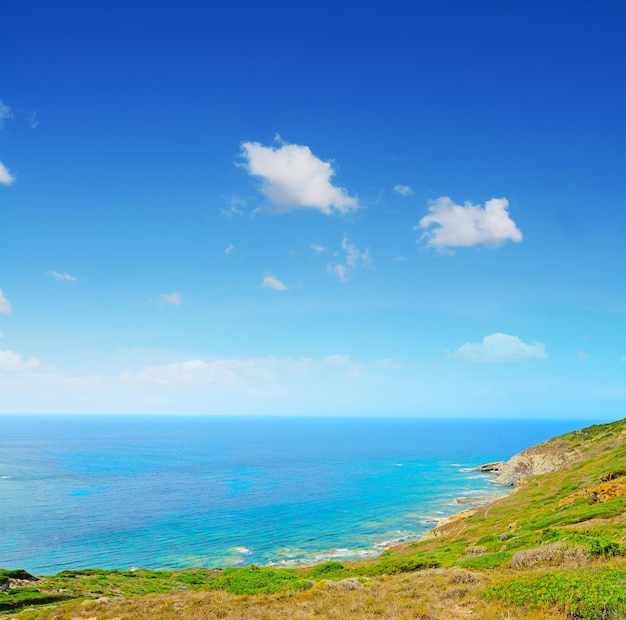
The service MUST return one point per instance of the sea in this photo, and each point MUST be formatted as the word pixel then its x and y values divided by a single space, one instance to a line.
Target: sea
pixel 121 492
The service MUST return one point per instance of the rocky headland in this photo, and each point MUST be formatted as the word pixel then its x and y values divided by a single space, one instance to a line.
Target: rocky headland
pixel 541 459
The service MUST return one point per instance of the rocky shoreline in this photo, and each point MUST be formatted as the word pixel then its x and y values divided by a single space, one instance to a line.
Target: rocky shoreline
pixel 540 459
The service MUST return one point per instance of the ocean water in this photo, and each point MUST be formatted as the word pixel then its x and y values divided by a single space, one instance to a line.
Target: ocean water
pixel 170 492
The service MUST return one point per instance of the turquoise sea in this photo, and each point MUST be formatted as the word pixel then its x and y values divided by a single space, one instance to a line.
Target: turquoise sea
pixel 155 492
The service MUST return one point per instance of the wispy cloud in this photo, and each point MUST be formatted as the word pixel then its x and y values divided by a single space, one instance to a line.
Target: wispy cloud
pixel 61 277
pixel 270 281
pixel 351 259
pixel 582 356
pixel 403 190
pixel 468 225
pixel 6 178
pixel 318 249
pixel 5 304
pixel 294 178
pixel 229 249
pixel 34 121
pixel 499 349
pixel 171 299
pixel 236 206
pixel 5 113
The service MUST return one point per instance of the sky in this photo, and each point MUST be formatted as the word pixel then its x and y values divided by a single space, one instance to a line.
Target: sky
pixel 386 209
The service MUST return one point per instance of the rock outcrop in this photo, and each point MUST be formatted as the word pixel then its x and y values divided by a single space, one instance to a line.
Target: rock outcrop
pixel 541 459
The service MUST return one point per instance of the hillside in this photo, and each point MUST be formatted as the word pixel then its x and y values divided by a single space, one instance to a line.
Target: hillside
pixel 554 547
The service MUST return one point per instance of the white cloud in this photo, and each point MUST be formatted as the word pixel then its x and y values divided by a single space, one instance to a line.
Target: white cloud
pixel 270 281
pixel 61 277
pixel 403 190
pixel 6 178
pixel 468 225
pixel 247 374
pixel 623 358
pixel 172 299
pixel 5 304
pixel 12 362
pixel 34 121
pixel 582 356
pixel 31 375
pixel 318 249
pixel 1 335
pixel 499 349
pixel 5 113
pixel 188 373
pixel 230 249
pixel 352 258
pixel 293 178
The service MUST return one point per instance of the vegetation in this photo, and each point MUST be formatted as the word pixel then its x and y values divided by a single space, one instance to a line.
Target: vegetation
pixel 554 548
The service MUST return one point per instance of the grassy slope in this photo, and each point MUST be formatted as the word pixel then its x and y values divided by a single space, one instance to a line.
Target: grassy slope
pixel 553 548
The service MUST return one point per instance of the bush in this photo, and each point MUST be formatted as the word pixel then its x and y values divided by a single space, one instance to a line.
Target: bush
pixel 555 553
pixel 330 570
pixel 17 574
pixel 594 593
pixel 600 547
pixel 397 565
pixel 255 580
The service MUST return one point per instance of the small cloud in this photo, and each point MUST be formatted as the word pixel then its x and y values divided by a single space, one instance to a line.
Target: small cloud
pixel 5 304
pixel 236 206
pixel 61 277
pixel 171 299
pixel 623 359
pixel 6 178
pixel 34 121
pixel 5 113
pixel 403 190
pixel 1 335
pixel 230 249
pixel 270 281
pixel 581 355
pixel 468 225
pixel 294 178
pixel 400 259
pixel 499 349
pixel 318 249
pixel 352 258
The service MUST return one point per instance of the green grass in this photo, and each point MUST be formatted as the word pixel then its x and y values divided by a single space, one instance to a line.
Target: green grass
pixel 488 560
pixel 257 580
pixel 595 593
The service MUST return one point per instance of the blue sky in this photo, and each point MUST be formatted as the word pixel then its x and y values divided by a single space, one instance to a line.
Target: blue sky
pixel 410 209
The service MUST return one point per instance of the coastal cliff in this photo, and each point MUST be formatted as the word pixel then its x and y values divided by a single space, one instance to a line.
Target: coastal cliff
pixel 541 459
pixel 544 458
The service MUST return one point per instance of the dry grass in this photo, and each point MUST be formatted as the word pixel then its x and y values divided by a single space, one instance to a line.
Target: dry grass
pixel 556 554
pixel 436 594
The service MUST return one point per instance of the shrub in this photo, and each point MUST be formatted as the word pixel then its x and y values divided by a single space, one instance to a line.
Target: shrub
pixel 594 593
pixel 255 580
pixel 17 574
pixel 605 548
pixel 555 553
pixel 397 565
pixel 330 570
